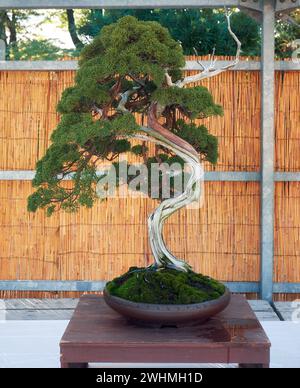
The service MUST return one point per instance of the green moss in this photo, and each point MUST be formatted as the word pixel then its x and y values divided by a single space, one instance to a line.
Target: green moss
pixel 165 286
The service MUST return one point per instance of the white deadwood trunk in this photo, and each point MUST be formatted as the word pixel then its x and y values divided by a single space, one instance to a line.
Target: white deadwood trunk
pixel 163 257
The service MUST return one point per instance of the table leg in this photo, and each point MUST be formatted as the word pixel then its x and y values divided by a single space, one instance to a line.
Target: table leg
pixel 74 365
pixel 254 366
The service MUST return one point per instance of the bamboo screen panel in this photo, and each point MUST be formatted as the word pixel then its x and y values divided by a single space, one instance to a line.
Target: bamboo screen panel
pixel 221 239
pixel 287 124
pixel 287 232
pixel 28 116
pixel 287 194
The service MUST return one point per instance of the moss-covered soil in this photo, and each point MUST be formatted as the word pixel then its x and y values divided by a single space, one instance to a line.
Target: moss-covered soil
pixel 165 286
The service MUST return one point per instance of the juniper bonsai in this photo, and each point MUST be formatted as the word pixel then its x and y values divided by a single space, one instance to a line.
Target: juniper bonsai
pixel 132 68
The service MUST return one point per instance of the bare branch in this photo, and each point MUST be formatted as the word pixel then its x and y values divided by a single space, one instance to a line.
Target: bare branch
pixel 98 110
pixel 238 43
pixel 198 60
pixel 211 70
pixel 169 79
pixel 212 60
pixel 124 99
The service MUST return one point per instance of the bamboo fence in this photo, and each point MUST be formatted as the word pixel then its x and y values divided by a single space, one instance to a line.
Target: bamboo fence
pixel 221 239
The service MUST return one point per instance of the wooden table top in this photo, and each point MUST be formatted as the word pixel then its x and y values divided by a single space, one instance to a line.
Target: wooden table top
pixel 96 324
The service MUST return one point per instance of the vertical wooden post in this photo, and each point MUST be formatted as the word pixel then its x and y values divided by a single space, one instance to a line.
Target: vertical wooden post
pixel 2 50
pixel 267 150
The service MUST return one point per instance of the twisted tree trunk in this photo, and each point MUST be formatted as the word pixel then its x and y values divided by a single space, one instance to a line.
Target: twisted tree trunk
pixel 163 257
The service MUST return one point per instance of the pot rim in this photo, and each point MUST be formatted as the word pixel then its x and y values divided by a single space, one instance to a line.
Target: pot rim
pixel 168 307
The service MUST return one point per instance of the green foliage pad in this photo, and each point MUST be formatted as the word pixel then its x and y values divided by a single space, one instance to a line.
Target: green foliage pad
pixel 165 286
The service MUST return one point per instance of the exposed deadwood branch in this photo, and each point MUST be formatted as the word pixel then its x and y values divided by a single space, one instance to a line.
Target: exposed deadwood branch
pixel 169 79
pixel 212 60
pixel 198 60
pixel 211 70
pixel 97 110
pixel 124 99
pixel 237 41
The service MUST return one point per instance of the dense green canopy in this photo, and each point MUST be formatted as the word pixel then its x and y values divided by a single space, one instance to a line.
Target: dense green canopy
pixel 129 56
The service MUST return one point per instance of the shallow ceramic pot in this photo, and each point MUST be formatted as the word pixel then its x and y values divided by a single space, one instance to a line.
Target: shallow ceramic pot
pixel 173 315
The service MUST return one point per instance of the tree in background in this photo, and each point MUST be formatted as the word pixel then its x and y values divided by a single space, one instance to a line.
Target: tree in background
pixel 203 29
pixel 37 49
pixel 288 31
pixel 22 44
pixel 200 29
pixel 73 29
pixel 10 24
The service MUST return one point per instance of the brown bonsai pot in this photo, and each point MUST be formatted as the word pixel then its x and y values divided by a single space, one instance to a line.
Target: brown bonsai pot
pixel 159 315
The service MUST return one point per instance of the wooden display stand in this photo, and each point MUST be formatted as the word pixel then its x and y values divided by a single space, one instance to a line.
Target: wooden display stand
pixel 96 333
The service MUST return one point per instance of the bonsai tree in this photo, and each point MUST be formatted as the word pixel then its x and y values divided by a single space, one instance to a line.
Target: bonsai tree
pixel 133 67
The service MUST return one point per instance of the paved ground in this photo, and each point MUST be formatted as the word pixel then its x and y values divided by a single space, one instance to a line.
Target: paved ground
pixel 30 331
pixel 37 309
pixel 60 309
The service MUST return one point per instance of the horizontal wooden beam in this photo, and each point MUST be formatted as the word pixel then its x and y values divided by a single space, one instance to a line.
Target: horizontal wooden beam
pixel 287 176
pixel 190 65
pixel 38 65
pixel 125 4
pixel 231 176
pixel 287 5
pixel 51 285
pixel 17 175
pixel 85 286
pixel 247 65
pixel 243 286
pixel 239 176
pixel 223 176
pixel 288 288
